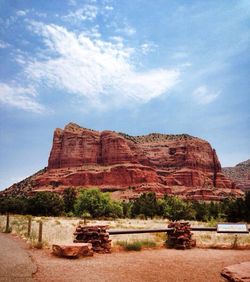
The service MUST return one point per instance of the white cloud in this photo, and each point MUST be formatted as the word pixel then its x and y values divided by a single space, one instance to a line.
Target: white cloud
pixel 109 8
pixel 22 13
pixel 39 14
pixel 203 96
pixel 95 69
pixel 148 47
pixel 185 65
pixel 88 12
pixel 4 45
pixel 126 30
pixel 92 32
pixel 20 97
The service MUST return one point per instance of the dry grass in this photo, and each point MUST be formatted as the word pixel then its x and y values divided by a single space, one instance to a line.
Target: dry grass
pixel 61 229
pixel 136 245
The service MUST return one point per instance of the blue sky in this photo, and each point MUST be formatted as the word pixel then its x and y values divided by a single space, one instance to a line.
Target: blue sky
pixel 136 66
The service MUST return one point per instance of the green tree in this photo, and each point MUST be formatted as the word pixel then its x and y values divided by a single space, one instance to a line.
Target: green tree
pixel 201 211
pixel 46 203
pixel 214 210
pixel 236 210
pixel 127 207
pixel 146 204
pixel 96 203
pixel 175 208
pixel 247 206
pixel 69 198
pixel 115 209
pixel 18 205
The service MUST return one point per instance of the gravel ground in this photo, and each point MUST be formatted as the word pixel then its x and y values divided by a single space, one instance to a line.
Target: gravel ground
pixel 148 265
pixel 15 262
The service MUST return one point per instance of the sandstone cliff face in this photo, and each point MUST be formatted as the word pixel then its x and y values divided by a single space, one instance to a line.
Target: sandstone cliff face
pixel 240 174
pixel 128 165
pixel 174 164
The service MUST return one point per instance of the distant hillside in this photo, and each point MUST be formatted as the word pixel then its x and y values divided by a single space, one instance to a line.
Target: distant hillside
pixel 240 174
pixel 23 187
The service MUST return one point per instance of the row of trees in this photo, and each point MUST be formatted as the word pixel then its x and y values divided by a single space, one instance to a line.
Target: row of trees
pixel 93 203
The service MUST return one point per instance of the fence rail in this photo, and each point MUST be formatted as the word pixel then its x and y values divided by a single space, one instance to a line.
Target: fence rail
pixel 166 230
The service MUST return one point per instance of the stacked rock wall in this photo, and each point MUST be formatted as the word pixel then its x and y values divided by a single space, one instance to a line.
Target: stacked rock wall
pixel 97 235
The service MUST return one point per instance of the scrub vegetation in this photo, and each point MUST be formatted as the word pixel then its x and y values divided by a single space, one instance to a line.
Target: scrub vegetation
pixel 92 203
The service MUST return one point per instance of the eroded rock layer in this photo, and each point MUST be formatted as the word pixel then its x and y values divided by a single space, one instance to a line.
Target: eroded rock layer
pixel 129 165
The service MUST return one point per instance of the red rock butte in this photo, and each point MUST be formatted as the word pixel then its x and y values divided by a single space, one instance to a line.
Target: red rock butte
pixel 129 165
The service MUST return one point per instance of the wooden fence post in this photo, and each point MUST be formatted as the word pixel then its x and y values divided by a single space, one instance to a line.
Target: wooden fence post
pixel 29 226
pixel 7 228
pixel 40 235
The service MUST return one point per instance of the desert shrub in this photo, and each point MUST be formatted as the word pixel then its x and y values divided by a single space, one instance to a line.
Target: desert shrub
pixel 148 243
pixel 46 203
pixel 136 245
pixel 130 246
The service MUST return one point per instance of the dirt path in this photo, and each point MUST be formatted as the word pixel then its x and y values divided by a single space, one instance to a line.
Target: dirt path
pixel 149 265
pixel 203 265
pixel 15 261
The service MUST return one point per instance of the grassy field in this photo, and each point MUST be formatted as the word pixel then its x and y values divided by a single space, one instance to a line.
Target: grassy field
pixel 61 229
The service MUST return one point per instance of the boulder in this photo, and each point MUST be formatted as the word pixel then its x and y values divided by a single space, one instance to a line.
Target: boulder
pixel 72 250
pixel 238 272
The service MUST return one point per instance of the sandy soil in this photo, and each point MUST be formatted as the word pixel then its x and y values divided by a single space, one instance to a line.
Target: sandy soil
pixel 148 265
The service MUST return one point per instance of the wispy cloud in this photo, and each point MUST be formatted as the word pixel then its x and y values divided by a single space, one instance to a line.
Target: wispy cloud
pixel 148 47
pixel 203 96
pixel 109 8
pixel 22 13
pixel 4 44
pixel 126 30
pixel 20 97
pixel 95 69
pixel 88 12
